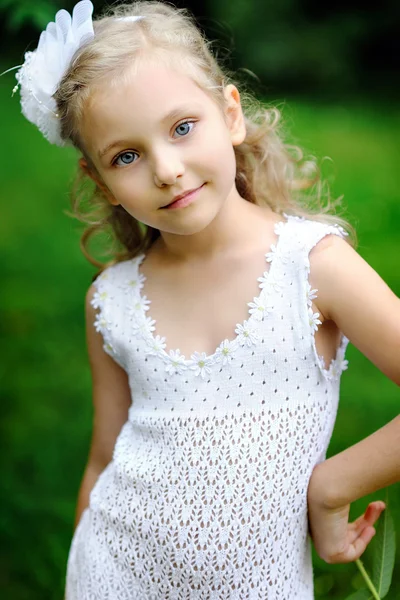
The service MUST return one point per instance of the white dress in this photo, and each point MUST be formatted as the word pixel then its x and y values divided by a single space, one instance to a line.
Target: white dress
pixel 206 494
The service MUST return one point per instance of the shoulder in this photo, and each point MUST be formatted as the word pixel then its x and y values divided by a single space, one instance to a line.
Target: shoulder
pixel 354 296
pixel 332 245
pixel 344 280
pixel 322 252
pixel 309 232
pixel 108 284
pixel 306 238
pixel 334 267
pixel 115 273
pixel 328 257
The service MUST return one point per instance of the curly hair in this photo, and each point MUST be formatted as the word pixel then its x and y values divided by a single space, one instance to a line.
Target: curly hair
pixel 268 170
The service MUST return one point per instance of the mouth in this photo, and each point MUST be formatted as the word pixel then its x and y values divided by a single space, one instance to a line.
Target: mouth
pixel 180 200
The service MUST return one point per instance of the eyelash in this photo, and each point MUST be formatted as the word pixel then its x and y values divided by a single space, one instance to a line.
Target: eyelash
pixel 132 152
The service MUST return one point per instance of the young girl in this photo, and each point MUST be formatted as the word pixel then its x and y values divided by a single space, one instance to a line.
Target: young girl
pixel 217 336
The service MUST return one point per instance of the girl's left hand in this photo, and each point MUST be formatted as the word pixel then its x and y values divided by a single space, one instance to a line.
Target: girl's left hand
pixel 335 539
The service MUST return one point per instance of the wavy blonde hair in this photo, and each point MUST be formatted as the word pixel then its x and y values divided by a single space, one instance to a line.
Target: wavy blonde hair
pixel 269 171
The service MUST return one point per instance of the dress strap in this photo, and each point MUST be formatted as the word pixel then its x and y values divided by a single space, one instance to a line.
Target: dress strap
pixel 111 286
pixel 302 235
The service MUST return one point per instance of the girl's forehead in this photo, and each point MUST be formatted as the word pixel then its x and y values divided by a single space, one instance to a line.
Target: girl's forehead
pixel 148 86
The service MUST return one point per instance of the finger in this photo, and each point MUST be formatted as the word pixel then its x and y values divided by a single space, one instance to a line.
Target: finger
pixel 357 547
pixel 358 531
pixel 374 511
pixel 366 520
pixel 378 504
pixel 360 544
pixel 371 514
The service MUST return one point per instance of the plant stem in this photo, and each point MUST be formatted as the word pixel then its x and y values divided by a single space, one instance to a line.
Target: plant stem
pixel 367 579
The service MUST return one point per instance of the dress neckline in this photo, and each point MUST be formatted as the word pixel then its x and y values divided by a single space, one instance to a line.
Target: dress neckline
pixel 257 311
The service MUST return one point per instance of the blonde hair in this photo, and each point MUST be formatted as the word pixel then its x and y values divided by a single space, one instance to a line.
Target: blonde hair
pixel 269 172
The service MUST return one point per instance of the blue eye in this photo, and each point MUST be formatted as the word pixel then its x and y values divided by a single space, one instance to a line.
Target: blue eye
pixel 125 154
pixel 183 124
pixel 126 158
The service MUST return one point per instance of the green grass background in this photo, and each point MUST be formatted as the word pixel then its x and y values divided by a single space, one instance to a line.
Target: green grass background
pixel 45 382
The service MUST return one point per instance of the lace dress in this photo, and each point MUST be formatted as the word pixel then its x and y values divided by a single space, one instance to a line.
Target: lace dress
pixel 206 494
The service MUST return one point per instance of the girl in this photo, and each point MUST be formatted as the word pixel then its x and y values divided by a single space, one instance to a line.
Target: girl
pixel 207 475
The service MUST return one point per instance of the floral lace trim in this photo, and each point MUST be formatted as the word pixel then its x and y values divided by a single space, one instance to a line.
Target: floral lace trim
pixel 101 324
pixel 246 333
pixel 339 363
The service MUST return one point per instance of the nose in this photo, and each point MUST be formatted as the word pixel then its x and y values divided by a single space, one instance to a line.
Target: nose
pixel 167 167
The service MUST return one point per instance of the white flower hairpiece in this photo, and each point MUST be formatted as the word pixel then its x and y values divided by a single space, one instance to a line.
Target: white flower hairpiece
pixel 44 68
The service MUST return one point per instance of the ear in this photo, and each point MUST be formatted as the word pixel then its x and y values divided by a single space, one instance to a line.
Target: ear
pixel 83 165
pixel 234 115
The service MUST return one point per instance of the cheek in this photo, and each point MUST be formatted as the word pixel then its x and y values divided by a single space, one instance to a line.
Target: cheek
pixel 127 186
pixel 216 151
pixel 223 160
pixel 126 196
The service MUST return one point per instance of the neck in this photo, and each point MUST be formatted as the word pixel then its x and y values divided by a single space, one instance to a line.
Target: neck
pixel 233 230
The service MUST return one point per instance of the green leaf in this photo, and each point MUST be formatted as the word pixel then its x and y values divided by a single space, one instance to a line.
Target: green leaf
pixel 360 595
pixel 384 551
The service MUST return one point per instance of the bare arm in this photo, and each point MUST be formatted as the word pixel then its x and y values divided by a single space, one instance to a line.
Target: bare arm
pixel 362 305
pixel 366 467
pixel 352 294
pixel 111 401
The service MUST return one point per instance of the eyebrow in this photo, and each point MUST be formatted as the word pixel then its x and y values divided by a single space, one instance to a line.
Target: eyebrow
pixel 175 112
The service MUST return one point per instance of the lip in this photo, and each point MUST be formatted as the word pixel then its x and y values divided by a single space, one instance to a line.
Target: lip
pixel 184 199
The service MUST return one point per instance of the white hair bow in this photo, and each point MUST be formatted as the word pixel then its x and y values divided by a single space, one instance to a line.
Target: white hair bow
pixel 44 68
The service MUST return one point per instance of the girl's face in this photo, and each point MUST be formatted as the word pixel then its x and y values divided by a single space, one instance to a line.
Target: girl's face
pixel 158 136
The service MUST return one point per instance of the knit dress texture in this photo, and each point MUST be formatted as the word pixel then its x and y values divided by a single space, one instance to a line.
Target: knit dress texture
pixel 205 497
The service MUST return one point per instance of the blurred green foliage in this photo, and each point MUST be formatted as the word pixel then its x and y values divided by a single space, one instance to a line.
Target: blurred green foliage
pixel 44 374
pixel 45 381
pixel 337 49
pixel 17 13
